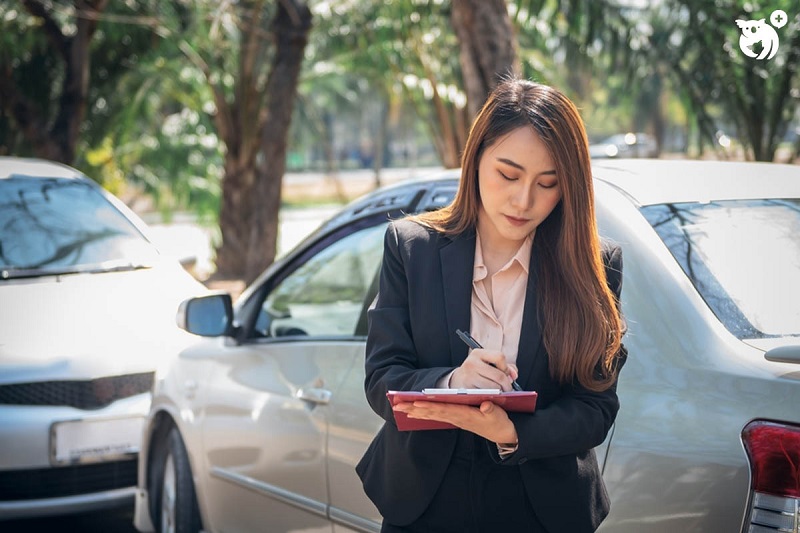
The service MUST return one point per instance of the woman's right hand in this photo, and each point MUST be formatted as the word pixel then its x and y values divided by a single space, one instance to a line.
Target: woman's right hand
pixel 484 369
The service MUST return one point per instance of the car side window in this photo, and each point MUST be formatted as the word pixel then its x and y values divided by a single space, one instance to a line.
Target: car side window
pixel 325 294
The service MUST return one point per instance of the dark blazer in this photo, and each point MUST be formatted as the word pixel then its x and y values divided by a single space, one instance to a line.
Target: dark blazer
pixel 424 296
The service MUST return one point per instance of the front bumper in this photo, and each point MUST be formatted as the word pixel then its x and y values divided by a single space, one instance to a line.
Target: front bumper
pixel 34 484
pixel 11 510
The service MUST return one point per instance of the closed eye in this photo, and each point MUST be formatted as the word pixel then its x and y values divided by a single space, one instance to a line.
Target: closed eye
pixel 506 177
pixel 548 185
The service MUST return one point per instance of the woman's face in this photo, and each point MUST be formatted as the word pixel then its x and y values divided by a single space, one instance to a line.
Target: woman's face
pixel 518 187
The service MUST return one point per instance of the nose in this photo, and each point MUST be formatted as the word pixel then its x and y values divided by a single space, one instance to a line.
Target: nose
pixel 522 196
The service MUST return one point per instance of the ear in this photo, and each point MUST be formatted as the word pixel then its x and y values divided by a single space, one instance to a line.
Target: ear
pixel 741 23
pixel 761 21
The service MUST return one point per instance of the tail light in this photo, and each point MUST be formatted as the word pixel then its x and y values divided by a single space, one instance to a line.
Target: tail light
pixel 773 450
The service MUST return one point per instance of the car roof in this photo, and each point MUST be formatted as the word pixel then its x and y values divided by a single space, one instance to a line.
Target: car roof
pixel 666 181
pixel 20 166
pixel 643 181
pixel 418 194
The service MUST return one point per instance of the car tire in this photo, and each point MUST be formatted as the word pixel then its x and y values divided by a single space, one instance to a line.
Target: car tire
pixel 176 501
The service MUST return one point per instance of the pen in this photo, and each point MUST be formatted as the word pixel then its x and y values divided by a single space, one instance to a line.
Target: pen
pixel 472 343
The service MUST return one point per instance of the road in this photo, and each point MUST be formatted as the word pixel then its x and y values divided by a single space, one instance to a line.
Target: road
pixel 184 238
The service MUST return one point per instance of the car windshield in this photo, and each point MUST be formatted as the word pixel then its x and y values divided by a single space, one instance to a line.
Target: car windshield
pixel 743 256
pixel 55 225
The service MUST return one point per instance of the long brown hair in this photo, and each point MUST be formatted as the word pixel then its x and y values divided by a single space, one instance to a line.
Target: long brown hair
pixel 581 326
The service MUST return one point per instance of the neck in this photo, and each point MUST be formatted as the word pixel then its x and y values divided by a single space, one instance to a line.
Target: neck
pixel 495 245
pixel 497 253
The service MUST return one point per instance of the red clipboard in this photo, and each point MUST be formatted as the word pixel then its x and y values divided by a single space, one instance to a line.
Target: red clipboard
pixel 514 401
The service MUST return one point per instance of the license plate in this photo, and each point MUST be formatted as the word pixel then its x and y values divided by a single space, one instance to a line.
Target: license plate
pixel 88 441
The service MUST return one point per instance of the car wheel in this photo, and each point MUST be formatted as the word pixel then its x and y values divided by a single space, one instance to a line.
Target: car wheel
pixel 177 502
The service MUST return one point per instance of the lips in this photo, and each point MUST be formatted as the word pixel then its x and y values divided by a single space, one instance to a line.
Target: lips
pixel 514 221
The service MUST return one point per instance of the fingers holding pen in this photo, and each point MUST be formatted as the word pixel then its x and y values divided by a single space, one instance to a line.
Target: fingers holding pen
pixel 492 358
pixel 484 369
pixel 497 360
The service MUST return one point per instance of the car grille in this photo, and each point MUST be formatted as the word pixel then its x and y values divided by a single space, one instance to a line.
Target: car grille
pixel 90 394
pixel 773 513
pixel 66 481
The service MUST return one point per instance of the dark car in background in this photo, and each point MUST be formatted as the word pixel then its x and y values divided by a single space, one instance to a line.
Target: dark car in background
pixel 87 308
pixel 259 426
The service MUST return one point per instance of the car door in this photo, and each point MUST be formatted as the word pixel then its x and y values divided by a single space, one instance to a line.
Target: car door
pixel 352 425
pixel 268 398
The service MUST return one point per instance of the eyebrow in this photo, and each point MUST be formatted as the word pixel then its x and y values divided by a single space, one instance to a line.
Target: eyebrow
pixel 517 165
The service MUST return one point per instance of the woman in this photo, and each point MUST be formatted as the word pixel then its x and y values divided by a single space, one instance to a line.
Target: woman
pixel 517 261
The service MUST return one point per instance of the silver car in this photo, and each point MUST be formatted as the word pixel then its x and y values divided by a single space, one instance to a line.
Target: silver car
pixel 259 426
pixel 86 304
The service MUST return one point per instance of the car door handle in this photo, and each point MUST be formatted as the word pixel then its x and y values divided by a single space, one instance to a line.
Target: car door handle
pixel 314 395
pixel 189 388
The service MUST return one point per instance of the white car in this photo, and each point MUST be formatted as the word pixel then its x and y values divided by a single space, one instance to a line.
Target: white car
pixel 259 426
pixel 87 308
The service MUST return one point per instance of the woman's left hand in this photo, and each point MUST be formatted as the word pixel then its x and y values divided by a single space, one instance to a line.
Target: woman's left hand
pixel 489 421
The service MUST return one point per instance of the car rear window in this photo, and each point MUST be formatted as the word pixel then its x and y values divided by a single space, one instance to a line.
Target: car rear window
pixel 743 257
pixel 56 224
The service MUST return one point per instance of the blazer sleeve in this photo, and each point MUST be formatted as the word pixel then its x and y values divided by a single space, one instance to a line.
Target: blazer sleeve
pixel 392 359
pixel 580 419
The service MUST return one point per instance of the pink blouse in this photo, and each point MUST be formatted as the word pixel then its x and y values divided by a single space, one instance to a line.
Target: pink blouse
pixel 496 322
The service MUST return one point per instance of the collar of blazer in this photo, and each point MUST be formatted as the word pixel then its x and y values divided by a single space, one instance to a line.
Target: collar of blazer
pixel 457 257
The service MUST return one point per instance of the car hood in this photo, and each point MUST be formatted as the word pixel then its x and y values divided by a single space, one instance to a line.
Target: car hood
pixel 82 326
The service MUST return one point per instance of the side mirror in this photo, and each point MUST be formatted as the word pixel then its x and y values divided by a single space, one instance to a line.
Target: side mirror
pixel 208 316
pixel 784 354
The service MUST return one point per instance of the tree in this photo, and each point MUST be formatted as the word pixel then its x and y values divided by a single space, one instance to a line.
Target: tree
pixel 405 51
pixel 696 46
pixel 488 47
pixel 409 53
pixel 759 98
pixel 163 140
pixel 55 139
pixel 291 26
pixel 251 62
pixel 137 123
pixel 53 58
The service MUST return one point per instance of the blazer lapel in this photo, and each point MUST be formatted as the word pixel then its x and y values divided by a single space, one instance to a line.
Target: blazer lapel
pixel 457 260
pixel 530 335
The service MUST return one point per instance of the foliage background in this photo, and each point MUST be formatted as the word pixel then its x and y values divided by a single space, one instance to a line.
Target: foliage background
pixel 381 84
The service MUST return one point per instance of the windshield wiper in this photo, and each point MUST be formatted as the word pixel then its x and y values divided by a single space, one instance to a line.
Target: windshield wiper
pixel 110 266
pixel 120 267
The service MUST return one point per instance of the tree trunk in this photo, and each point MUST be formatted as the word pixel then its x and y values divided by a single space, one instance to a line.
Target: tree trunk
pixel 237 126
pixel 256 142
pixel 235 216
pixel 291 26
pixel 782 104
pixel 448 149
pixel 488 47
pixel 75 91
